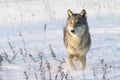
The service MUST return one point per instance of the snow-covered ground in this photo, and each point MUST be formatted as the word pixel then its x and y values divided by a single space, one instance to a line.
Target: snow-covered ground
pixel 29 27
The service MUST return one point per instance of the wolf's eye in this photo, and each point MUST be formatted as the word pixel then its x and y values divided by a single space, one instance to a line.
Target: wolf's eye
pixel 77 22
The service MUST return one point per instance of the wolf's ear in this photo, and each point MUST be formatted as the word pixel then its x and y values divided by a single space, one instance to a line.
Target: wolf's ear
pixel 83 14
pixel 69 13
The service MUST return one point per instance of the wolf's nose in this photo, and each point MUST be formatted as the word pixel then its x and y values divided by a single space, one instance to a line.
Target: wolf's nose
pixel 72 31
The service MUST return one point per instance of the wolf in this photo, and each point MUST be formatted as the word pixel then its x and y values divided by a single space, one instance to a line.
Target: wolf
pixel 77 40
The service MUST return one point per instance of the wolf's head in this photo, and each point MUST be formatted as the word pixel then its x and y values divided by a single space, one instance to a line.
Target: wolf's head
pixel 77 22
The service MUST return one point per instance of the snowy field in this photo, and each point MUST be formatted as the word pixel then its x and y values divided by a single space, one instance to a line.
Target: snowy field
pixel 31 39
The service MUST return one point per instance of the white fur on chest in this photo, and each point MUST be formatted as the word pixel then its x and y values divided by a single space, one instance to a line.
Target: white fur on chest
pixel 74 45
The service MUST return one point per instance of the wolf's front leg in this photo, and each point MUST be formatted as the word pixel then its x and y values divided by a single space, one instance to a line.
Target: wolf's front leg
pixel 70 64
pixel 82 62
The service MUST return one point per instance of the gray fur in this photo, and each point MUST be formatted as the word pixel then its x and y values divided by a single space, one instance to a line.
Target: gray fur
pixel 77 40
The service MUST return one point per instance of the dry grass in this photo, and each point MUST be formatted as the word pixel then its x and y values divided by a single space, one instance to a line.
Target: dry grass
pixel 101 69
pixel 43 69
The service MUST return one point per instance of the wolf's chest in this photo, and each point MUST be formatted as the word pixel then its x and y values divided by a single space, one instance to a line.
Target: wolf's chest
pixel 74 42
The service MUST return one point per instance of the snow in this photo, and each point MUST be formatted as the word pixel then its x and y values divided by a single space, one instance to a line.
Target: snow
pixel 41 24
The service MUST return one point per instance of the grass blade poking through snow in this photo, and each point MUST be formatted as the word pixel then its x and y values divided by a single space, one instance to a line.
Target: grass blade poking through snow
pixel 26 76
pixel 23 41
pixel 52 52
pixel 49 69
pixel 1 59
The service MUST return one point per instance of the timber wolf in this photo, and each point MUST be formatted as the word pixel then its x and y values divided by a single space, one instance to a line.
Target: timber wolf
pixel 77 40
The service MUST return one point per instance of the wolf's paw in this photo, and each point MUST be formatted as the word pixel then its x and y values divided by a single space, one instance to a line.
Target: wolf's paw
pixel 72 68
